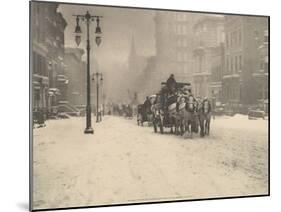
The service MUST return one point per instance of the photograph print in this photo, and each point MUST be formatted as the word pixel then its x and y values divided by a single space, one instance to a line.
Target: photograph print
pixel 137 105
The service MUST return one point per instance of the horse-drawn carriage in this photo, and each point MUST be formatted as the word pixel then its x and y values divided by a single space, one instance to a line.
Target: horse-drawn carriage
pixel 144 114
pixel 180 111
pixel 127 111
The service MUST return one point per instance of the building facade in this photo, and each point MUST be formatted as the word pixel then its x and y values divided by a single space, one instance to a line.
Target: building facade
pixel 76 74
pixel 174 40
pixel 208 56
pixel 244 36
pixel 47 27
pixel 135 75
pixel 261 74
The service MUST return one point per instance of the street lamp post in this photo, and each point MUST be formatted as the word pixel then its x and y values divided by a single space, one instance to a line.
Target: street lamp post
pixel 88 18
pixel 97 77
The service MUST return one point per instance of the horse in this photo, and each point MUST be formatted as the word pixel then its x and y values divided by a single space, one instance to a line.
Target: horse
pixel 205 117
pixel 174 118
pixel 181 108
pixel 157 114
pixel 188 115
pixel 140 114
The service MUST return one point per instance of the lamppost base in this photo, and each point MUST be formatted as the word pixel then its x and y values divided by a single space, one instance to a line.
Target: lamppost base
pixel 89 130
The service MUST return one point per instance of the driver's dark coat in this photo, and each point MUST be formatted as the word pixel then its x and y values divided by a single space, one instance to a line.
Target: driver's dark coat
pixel 171 83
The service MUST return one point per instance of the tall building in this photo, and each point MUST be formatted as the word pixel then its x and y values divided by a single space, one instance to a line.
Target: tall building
pixel 261 74
pixel 174 43
pixel 136 66
pixel 76 74
pixel 48 27
pixel 244 37
pixel 208 54
pixel 148 78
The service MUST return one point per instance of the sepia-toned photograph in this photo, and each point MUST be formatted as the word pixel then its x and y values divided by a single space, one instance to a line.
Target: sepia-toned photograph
pixel 137 105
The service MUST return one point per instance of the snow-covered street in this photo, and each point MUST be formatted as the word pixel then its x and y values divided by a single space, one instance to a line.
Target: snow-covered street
pixel 125 163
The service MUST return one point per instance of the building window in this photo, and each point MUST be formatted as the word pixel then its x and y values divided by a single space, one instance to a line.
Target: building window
pixel 240 62
pixel 178 16
pixel 231 65
pixel 265 36
pixel 185 68
pixel 236 64
pixel 185 56
pixel 239 37
pixel 183 30
pixel 178 30
pixel 204 27
pixel 34 62
pixel 227 64
pixel 266 64
pixel 261 65
pixel 184 42
pixel 227 41
pixel 266 39
pixel 183 17
pixel 231 39
pixel 38 10
pixel 235 38
pixel 179 56
pixel 256 34
pixel 179 42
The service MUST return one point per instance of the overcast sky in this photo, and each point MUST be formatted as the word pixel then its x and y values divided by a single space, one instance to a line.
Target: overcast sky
pixel 118 26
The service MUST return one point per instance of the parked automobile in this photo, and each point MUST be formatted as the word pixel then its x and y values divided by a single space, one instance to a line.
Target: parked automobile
pixel 63 116
pixel 229 112
pixel 256 114
pixel 219 110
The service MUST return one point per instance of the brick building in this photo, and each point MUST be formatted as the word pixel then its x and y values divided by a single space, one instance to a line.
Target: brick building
pixel 261 75
pixel 47 34
pixel 244 36
pixel 208 54
pixel 174 43
pixel 76 74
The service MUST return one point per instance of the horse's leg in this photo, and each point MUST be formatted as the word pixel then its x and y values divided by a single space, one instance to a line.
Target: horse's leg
pixel 201 127
pixel 208 125
pixel 176 127
pixel 209 122
pixel 187 126
pixel 182 127
pixel 179 126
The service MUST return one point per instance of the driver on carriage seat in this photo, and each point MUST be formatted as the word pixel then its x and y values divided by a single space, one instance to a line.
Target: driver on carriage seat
pixel 171 84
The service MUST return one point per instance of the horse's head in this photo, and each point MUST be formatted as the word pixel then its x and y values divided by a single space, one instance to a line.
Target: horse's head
pixel 191 103
pixel 152 99
pixel 206 106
